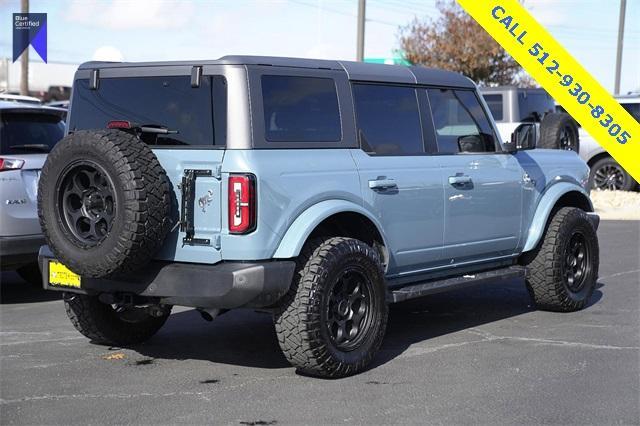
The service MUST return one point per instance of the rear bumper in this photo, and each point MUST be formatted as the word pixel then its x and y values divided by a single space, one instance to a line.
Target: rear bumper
pixel 19 250
pixel 224 285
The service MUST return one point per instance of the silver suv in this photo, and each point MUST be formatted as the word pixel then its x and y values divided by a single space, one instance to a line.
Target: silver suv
pixel 606 173
pixel 27 134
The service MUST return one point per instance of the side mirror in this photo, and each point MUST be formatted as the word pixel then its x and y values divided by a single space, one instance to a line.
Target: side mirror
pixel 524 137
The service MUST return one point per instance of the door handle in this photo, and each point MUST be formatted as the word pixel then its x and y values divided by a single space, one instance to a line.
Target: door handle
pixel 382 184
pixel 459 180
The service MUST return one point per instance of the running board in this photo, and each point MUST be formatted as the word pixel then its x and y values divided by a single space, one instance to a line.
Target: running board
pixel 439 285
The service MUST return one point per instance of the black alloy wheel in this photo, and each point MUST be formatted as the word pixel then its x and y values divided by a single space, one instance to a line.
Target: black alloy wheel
pixel 86 202
pixel 348 309
pixel 577 262
pixel 568 139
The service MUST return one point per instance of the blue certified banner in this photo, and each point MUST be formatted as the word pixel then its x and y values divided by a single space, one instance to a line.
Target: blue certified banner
pixel 30 29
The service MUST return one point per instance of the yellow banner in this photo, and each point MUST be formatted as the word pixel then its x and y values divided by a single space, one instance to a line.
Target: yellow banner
pixel 562 76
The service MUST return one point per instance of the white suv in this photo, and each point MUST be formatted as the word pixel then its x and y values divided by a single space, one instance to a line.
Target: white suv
pixel 606 173
pixel 27 134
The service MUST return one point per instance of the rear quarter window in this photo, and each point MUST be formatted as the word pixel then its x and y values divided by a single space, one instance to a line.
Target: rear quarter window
pixel 494 102
pixel 533 106
pixel 300 109
pixel 29 133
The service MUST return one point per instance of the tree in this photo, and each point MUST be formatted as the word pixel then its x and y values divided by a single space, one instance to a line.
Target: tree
pixel 456 42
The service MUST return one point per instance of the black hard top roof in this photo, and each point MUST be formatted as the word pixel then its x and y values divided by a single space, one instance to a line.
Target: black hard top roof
pixel 355 70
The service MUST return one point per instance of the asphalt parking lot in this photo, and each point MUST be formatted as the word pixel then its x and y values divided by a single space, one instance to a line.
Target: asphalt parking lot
pixel 481 355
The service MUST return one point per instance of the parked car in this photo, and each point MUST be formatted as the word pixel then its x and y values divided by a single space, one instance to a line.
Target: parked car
pixel 7 97
pixel 27 133
pixel 511 106
pixel 318 190
pixel 606 173
pixel 59 104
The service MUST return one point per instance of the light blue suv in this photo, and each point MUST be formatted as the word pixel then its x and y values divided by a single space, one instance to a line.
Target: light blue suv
pixel 319 190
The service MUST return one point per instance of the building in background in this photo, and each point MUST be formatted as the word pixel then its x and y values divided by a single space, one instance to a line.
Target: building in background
pixel 49 82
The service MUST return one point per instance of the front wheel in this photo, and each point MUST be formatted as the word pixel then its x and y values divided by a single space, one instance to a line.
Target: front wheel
pixel 562 274
pixel 333 320
pixel 104 324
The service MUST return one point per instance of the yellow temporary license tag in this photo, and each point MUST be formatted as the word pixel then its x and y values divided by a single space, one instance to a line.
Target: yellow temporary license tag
pixel 60 275
pixel 562 76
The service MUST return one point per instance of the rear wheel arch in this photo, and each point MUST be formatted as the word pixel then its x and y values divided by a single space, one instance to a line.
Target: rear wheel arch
pixel 333 218
pixel 593 160
pixel 353 225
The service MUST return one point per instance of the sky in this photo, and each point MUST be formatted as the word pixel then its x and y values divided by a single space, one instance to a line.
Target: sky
pixel 144 30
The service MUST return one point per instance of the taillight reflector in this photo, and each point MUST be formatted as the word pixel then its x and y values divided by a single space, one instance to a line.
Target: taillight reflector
pixel 242 203
pixel 119 124
pixel 10 164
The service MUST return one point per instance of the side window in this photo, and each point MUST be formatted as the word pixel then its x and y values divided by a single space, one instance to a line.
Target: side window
pixel 300 109
pixel 633 109
pixel 388 119
pixel 460 122
pixel 494 102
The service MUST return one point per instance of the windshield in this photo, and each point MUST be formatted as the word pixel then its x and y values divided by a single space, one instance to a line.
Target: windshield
pixel 29 133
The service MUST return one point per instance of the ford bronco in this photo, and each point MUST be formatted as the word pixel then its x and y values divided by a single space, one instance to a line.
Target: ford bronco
pixel 318 190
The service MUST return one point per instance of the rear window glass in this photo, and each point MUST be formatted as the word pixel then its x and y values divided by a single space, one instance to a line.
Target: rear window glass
pixel 29 133
pixel 300 109
pixel 388 119
pixel 168 102
pixel 494 102
pixel 533 106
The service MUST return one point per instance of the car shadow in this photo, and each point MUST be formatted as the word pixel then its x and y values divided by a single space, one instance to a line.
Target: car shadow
pixel 13 290
pixel 247 338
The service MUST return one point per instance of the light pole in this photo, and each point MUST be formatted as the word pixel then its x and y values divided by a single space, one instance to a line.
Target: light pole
pixel 24 61
pixel 361 20
pixel 623 9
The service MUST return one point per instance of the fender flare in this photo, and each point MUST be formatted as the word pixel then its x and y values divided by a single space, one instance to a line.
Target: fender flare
pixel 544 208
pixel 298 232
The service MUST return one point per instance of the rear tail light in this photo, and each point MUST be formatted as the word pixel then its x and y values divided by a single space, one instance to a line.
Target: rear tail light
pixel 10 164
pixel 119 124
pixel 242 203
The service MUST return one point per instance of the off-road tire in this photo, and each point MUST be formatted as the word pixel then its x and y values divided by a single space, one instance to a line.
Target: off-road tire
pixel 622 180
pixel 300 320
pixel 552 129
pixel 31 274
pixel 545 278
pixel 143 203
pixel 103 325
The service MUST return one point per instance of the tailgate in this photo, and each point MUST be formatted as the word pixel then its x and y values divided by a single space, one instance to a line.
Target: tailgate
pixel 195 179
pixel 19 197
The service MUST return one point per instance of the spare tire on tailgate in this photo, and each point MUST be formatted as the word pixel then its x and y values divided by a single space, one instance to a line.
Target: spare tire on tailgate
pixel 559 131
pixel 104 202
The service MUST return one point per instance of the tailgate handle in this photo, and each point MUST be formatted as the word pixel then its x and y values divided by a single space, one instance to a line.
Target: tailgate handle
pixel 187 207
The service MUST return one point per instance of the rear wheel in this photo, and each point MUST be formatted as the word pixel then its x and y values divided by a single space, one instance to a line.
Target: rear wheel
pixel 108 325
pixel 562 273
pixel 606 173
pixel 333 320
